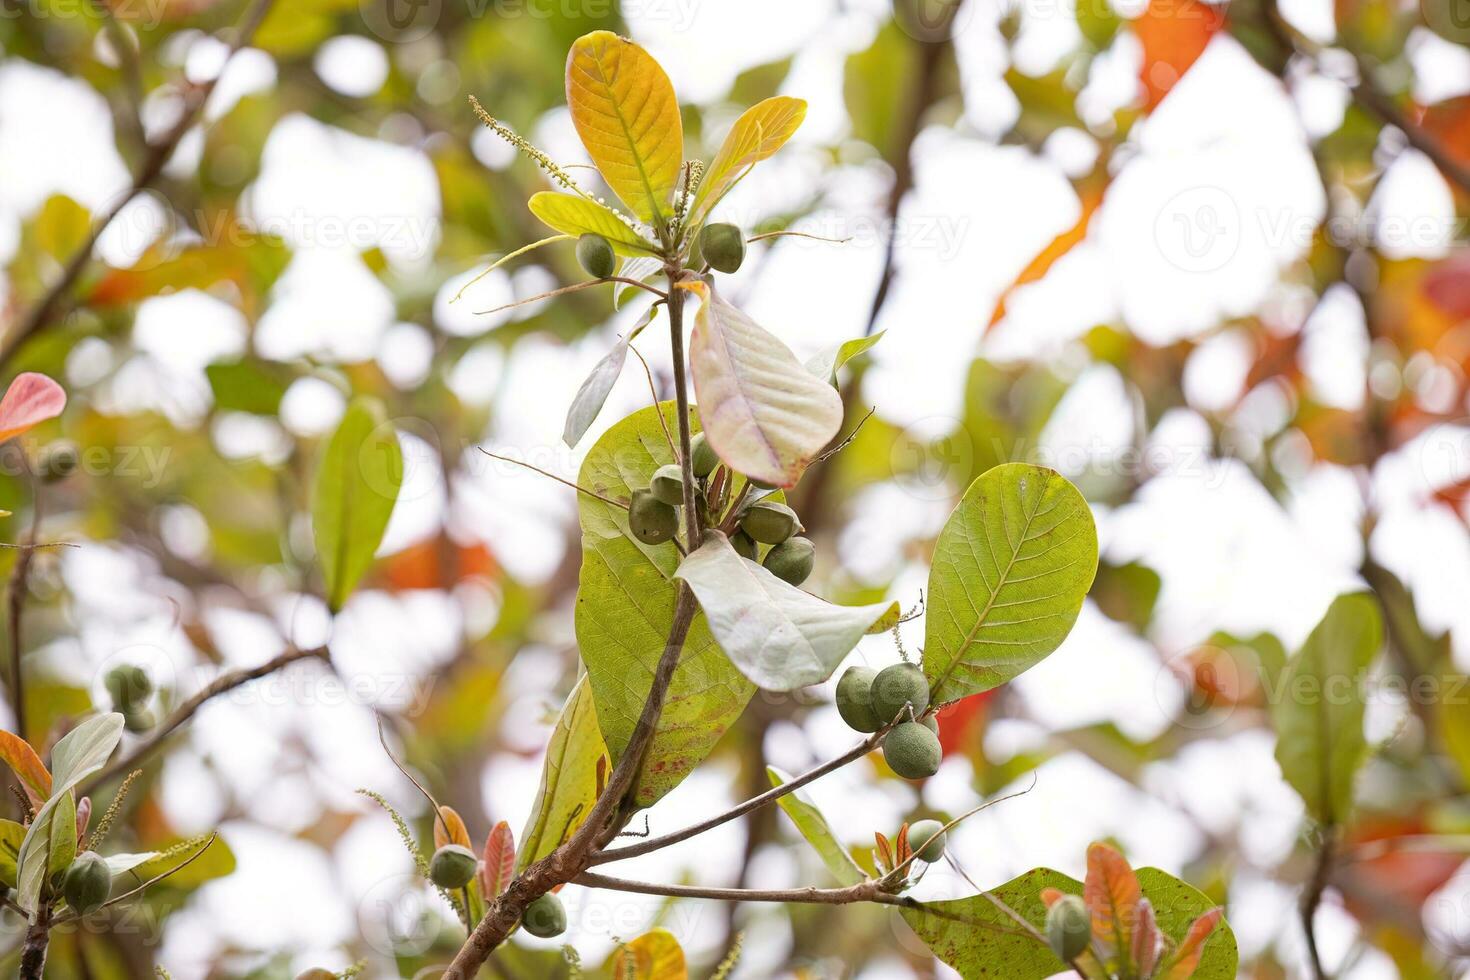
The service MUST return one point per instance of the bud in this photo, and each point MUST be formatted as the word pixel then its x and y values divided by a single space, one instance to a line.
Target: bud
pixel 723 246
pixel 87 883
pixel 595 254
pixel 791 561
pixel 668 484
pixel 651 520
pixel 452 866
pixel 926 839
pixel 1068 928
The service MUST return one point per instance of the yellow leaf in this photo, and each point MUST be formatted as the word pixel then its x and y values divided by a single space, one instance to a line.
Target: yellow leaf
pixel 624 108
pixel 457 832
pixel 759 132
pixel 655 955
pixel 572 215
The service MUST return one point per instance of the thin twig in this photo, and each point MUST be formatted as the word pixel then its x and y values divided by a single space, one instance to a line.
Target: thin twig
pixel 962 818
pixel 185 711
pixel 653 391
pixel 834 450
pixel 1312 898
pixel 863 891
pixel 52 306
pixel 151 881
pixel 552 476
pixel 754 803
pixel 574 287
pixel 798 234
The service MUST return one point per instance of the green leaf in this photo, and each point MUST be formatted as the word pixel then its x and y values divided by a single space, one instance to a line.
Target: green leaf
pixel 11 836
pixel 83 751
pixel 814 828
pixel 764 414
pixel 1176 905
pixel 63 834
pixel 244 386
pixel 624 108
pixel 569 777
pixel 625 607
pixel 215 862
pixel 357 484
pixel 1011 568
pixel 1127 593
pixel 828 363
pixel 980 940
pixel 1319 712
pixel 779 636
pixel 574 215
pixel 593 393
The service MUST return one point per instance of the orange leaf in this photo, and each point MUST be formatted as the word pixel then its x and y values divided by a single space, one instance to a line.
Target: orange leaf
pixel 1182 964
pixel 30 400
pixel 1449 122
pixel 457 833
pixel 655 955
pixel 1061 245
pixel 1112 895
pixel 20 757
pixel 1173 34
pixel 500 860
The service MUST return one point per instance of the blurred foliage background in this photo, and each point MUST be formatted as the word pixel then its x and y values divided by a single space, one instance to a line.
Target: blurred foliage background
pixel 1207 259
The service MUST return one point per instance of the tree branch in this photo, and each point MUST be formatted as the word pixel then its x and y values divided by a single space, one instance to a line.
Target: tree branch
pixel 1312 898
pixel 225 682
pixel 863 891
pixel 53 305
pixel 17 589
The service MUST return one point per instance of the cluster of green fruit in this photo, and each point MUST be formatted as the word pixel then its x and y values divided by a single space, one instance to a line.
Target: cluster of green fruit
pixel 869 699
pixel 653 516
pixel 454 866
pixel 130 688
pixel 721 246
pixel 86 884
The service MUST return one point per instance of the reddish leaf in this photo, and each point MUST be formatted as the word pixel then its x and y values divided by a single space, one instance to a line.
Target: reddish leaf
pixel 1091 196
pixel 457 834
pixel 1145 952
pixel 962 723
pixel 885 852
pixel 17 753
pixel 437 563
pixel 1051 896
pixel 1447 285
pixel 1112 895
pixel 30 400
pixel 1449 121
pixel 1182 964
pixel 499 865
pixel 1173 34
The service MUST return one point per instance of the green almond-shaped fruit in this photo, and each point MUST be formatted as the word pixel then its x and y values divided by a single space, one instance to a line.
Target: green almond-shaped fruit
pixel 896 686
pixel 545 917
pixel 452 866
pixel 702 456
pixel 128 685
pixel 1068 928
pixel 744 545
pixel 930 722
pixel 723 246
pixel 791 561
pixel 595 255
pixel 912 751
pixel 668 485
pixel 770 522
pixel 651 520
pixel 926 839
pixel 87 883
pixel 854 699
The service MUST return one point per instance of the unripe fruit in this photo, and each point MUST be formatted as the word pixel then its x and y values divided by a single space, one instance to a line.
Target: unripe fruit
pixel 453 866
pixel 87 883
pixel 912 751
pixel 791 561
pixel 651 520
pixel 744 545
pixel 896 686
pixel 59 461
pixel 854 699
pixel 128 685
pixel 668 485
pixel 702 456
pixel 1068 928
pixel 769 522
pixel 545 917
pixel 930 722
pixel 723 246
pixel 926 839
pixel 595 254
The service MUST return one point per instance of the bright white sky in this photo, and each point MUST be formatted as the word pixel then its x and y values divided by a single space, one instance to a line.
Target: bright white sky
pixel 1231 557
